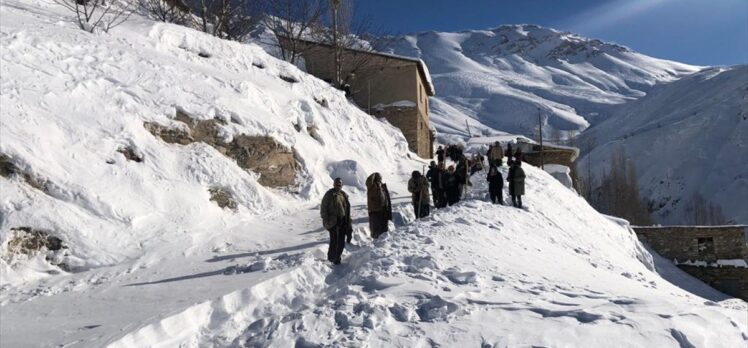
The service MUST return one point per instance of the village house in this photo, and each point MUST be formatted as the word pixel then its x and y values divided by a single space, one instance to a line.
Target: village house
pixel 384 85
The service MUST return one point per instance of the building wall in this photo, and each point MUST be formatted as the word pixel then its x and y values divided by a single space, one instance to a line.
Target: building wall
pixel 732 281
pixel 697 243
pixel 381 80
pixel 416 131
pixel 683 242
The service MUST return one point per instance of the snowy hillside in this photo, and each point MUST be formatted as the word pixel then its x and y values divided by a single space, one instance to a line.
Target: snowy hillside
pixel 497 79
pixel 84 165
pixel 556 274
pixel 686 137
pixel 123 145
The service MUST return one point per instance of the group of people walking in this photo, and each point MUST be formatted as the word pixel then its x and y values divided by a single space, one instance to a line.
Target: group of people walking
pixel 446 186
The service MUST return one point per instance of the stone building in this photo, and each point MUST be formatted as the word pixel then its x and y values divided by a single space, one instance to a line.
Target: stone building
pixel 552 154
pixel 390 86
pixel 717 255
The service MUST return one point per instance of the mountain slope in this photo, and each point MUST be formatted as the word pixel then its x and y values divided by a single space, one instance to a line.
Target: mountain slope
pixel 685 138
pixel 498 78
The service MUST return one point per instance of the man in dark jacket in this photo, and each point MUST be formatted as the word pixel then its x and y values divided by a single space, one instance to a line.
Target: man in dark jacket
pixel 418 186
pixel 336 218
pixel 452 186
pixel 435 175
pixel 495 185
pixel 440 155
pixel 516 179
pixel 378 204
pixel 495 154
pixel 509 154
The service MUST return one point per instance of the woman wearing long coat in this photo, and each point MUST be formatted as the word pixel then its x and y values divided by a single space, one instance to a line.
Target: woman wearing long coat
pixel 495 185
pixel 516 179
pixel 378 205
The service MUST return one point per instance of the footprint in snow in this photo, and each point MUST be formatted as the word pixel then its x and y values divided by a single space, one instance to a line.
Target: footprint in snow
pixel 460 278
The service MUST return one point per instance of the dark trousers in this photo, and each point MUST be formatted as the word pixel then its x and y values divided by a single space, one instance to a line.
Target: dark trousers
pixel 453 196
pixel 337 243
pixel 440 198
pixel 517 201
pixel 497 195
pixel 423 211
pixel 378 223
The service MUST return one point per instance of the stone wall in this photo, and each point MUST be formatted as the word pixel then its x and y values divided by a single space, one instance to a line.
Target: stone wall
pixel 704 245
pixel 381 80
pixel 732 281
pixel 551 155
pixel 415 129
pixel 697 243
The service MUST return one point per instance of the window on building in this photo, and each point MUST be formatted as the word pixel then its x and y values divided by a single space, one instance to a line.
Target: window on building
pixel 705 246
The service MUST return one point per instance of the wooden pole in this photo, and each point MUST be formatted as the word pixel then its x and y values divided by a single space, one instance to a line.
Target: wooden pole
pixel 468 129
pixel 540 125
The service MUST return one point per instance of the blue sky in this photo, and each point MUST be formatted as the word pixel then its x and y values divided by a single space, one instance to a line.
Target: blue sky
pixel 700 32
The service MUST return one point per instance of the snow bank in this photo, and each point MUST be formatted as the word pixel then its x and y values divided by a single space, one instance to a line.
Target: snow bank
pixel 554 274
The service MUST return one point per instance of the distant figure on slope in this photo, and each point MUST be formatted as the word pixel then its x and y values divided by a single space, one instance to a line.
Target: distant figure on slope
pixel 440 181
pixel 452 186
pixel 435 175
pixel 440 155
pixel 518 155
pixel 378 204
pixel 495 185
pixel 476 164
pixel 418 186
pixel 495 155
pixel 336 218
pixel 509 154
pixel 516 179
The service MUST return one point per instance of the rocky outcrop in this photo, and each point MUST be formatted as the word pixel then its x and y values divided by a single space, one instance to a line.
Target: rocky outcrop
pixel 9 169
pixel 130 154
pixel 30 242
pixel 223 198
pixel 276 164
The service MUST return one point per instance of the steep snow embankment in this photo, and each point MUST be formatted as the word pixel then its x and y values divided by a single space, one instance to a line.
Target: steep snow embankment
pixel 72 100
pixel 686 137
pixel 554 274
pixel 497 79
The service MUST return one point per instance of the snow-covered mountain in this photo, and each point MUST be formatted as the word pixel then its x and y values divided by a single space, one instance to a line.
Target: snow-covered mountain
pixel 687 132
pixel 685 138
pixel 497 79
pixel 116 144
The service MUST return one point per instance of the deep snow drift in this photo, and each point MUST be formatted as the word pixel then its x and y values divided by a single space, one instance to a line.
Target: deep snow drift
pixel 556 274
pixel 685 137
pixel 497 79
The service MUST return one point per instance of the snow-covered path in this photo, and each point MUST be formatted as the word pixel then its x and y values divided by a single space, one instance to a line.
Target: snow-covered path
pixel 94 307
pixel 553 274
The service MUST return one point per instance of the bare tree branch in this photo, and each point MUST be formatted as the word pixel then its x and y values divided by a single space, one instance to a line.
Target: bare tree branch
pixel 92 14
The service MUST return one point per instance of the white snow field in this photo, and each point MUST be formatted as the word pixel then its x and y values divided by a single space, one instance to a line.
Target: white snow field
pixel 497 79
pixel 686 137
pixel 555 274
pixel 154 263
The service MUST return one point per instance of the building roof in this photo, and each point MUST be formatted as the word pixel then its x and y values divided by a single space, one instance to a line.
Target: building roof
pixel 422 68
